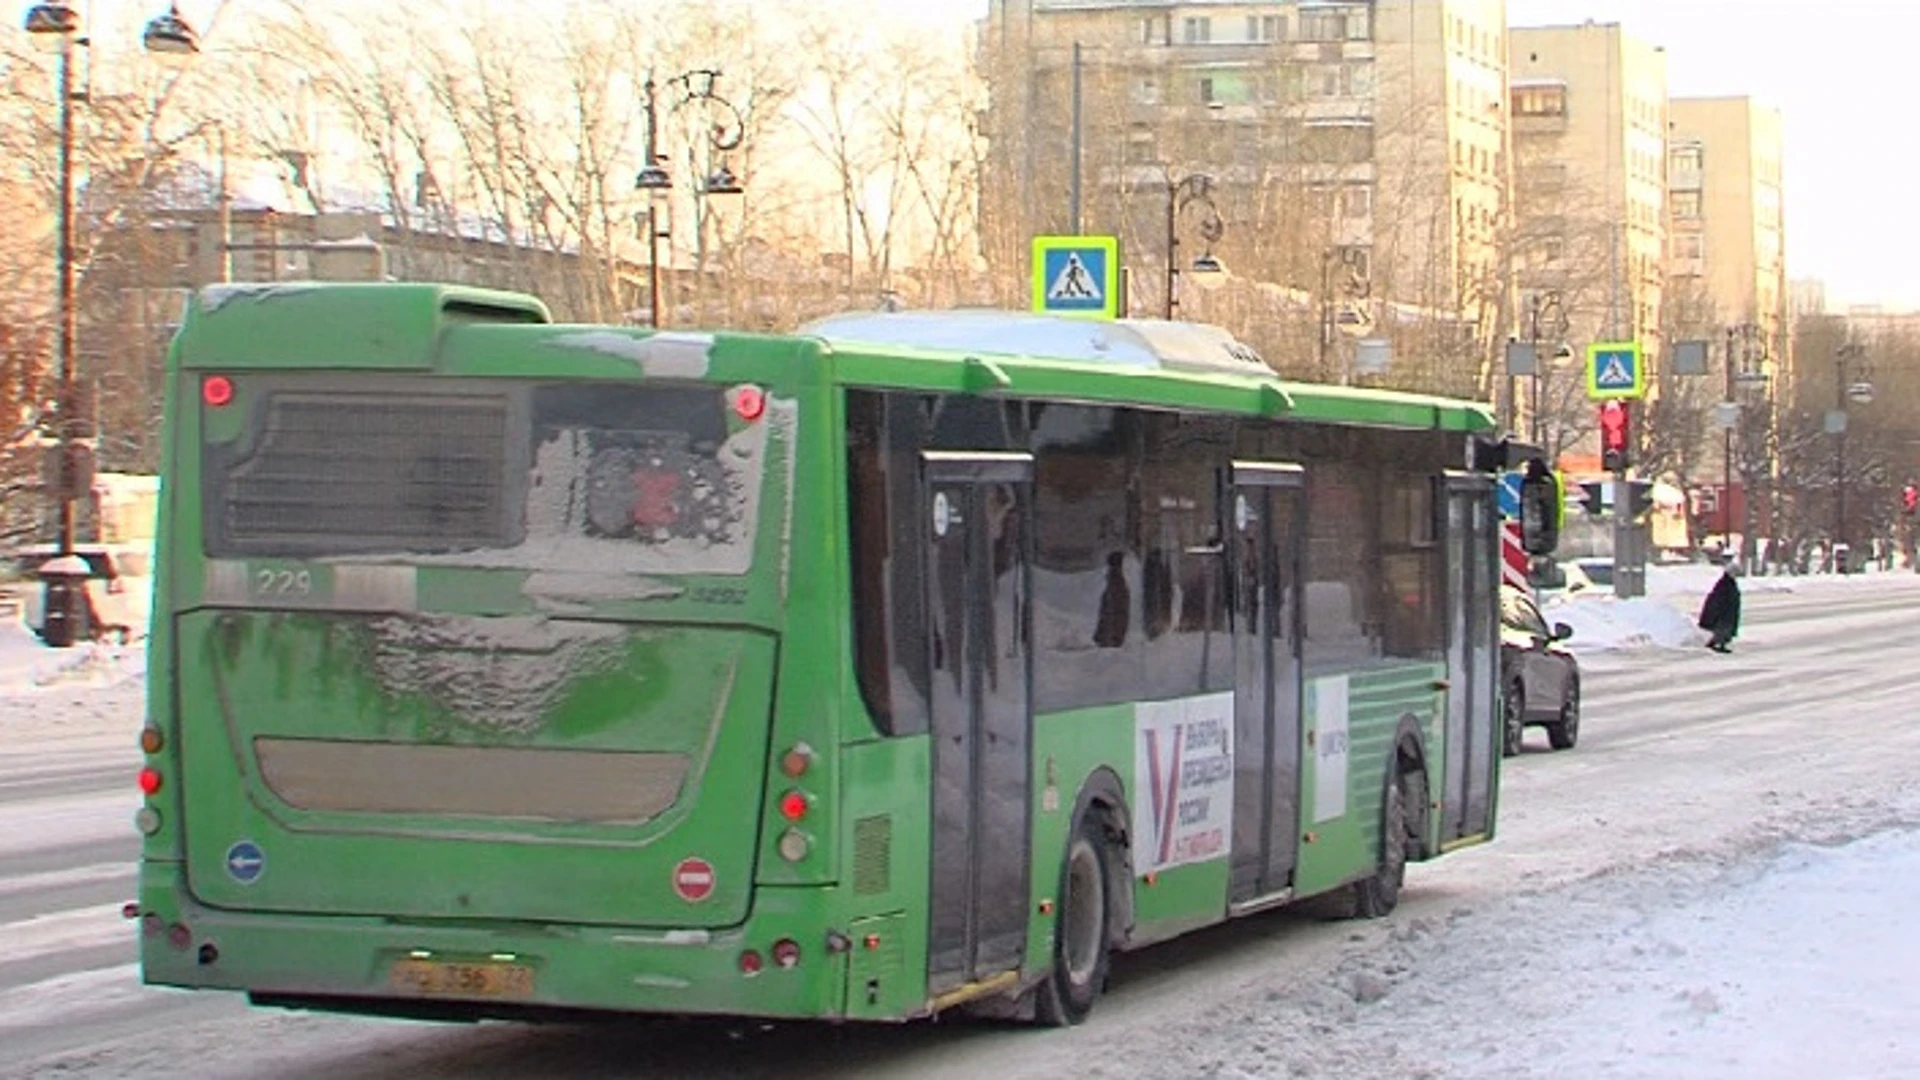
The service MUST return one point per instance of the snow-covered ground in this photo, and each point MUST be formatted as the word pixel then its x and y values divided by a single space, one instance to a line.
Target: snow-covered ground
pixel 1716 884
pixel 1664 618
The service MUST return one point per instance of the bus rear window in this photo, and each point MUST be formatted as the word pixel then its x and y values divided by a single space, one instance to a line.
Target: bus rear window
pixel 557 477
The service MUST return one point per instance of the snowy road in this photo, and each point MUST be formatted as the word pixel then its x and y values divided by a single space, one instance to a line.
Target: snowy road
pixel 1677 897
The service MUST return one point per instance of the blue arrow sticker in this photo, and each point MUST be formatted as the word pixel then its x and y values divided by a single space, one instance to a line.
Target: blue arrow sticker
pixel 246 862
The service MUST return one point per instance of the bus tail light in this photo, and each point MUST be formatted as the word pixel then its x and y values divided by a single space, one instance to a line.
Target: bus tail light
pixel 793 805
pixel 795 761
pixel 786 953
pixel 794 845
pixel 216 390
pixel 749 402
pixel 150 781
pixel 750 963
pixel 151 740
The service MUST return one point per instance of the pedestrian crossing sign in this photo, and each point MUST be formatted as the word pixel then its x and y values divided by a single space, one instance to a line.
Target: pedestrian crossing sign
pixel 1077 275
pixel 1616 369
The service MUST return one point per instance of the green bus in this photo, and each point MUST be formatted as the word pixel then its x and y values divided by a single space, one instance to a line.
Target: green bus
pixel 911 662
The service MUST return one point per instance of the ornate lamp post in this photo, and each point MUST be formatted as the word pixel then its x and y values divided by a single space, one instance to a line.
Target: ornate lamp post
pixel 724 136
pixel 1194 189
pixel 55 27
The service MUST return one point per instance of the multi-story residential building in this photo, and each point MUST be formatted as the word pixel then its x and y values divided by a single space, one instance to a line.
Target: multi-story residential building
pixel 1590 118
pixel 1357 151
pixel 1806 296
pixel 1728 234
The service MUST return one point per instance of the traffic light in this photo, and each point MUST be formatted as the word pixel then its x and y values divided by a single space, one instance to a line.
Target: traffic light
pixel 1910 499
pixel 1542 508
pixel 1614 436
pixel 1593 497
pixel 1639 497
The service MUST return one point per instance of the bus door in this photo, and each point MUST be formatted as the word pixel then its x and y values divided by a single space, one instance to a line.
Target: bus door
pixel 1267 505
pixel 1473 642
pixel 976 517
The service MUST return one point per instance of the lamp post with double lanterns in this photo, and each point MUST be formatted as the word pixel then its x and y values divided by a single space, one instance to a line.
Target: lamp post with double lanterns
pixel 724 136
pixel 56 28
pixel 1195 189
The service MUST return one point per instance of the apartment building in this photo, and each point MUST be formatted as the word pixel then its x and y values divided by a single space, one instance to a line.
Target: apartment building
pixel 1728 235
pixel 1590 117
pixel 1356 151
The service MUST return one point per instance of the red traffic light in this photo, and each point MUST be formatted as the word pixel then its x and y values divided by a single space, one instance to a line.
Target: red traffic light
pixel 1613 426
pixel 1910 498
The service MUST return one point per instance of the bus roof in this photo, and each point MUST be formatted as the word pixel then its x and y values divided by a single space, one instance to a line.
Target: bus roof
pixel 1142 361
pixel 1148 362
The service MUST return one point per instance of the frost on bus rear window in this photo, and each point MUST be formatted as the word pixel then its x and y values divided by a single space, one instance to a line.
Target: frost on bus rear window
pixel 637 480
pixel 643 478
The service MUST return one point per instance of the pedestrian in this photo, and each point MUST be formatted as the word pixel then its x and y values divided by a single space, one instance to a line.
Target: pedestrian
pixel 1720 615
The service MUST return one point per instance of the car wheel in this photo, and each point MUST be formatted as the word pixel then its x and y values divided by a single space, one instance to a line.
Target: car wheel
pixel 1565 732
pixel 1513 716
pixel 1080 934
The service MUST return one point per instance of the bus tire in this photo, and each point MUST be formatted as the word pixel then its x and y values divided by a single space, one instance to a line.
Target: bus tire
pixel 1377 896
pixel 1080 932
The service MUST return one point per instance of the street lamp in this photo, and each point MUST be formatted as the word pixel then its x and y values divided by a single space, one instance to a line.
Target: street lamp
pixel 55 27
pixel 1844 390
pixel 1195 188
pixel 724 136
pixel 1543 307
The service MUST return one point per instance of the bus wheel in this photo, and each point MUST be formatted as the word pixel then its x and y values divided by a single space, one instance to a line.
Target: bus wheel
pixel 1380 894
pixel 1080 932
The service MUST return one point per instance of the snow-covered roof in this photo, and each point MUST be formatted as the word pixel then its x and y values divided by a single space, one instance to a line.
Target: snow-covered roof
pixel 1135 343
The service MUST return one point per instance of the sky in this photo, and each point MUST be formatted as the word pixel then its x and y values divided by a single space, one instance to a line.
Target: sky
pixel 1842 72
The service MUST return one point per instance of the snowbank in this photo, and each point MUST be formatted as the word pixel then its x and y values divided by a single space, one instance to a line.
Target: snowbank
pixel 27 666
pixel 1604 622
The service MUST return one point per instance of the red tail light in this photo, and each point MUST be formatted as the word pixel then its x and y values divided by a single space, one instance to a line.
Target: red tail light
pixel 786 952
pixel 749 401
pixel 151 740
pixel 750 963
pixel 150 781
pixel 793 805
pixel 216 390
pixel 795 761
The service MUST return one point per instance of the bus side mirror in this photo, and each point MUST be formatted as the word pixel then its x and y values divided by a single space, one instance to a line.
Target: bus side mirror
pixel 1541 505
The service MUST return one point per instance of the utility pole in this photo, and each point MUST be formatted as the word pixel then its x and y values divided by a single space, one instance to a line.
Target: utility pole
pixel 1073 195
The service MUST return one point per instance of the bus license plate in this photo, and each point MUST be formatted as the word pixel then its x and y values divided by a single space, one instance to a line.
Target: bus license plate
pixel 441 978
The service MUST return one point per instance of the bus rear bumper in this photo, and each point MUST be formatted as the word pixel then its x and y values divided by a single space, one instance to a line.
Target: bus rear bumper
pixel 473 969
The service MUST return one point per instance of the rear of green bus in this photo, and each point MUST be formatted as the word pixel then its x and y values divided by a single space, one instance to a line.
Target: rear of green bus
pixel 462 679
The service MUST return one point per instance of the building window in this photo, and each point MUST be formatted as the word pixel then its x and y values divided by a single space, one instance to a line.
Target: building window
pixel 1146 90
pixel 1357 201
pixel 1349 24
pixel 1206 92
pixel 1141 147
pixel 1688 159
pixel 1153 31
pixel 1266 28
pixel 1686 205
pixel 1553 249
pixel 1540 101
pixel 1196 30
pixel 1688 245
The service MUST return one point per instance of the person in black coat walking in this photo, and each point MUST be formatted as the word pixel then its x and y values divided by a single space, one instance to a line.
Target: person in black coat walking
pixel 1720 615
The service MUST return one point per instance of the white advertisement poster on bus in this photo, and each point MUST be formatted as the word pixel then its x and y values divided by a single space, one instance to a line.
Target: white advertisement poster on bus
pixel 1183 779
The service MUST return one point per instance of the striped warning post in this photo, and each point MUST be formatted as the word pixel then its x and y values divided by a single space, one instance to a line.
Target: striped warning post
pixel 1513 557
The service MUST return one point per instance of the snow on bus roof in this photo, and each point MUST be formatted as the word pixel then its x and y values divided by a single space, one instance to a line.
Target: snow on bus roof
pixel 1136 343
